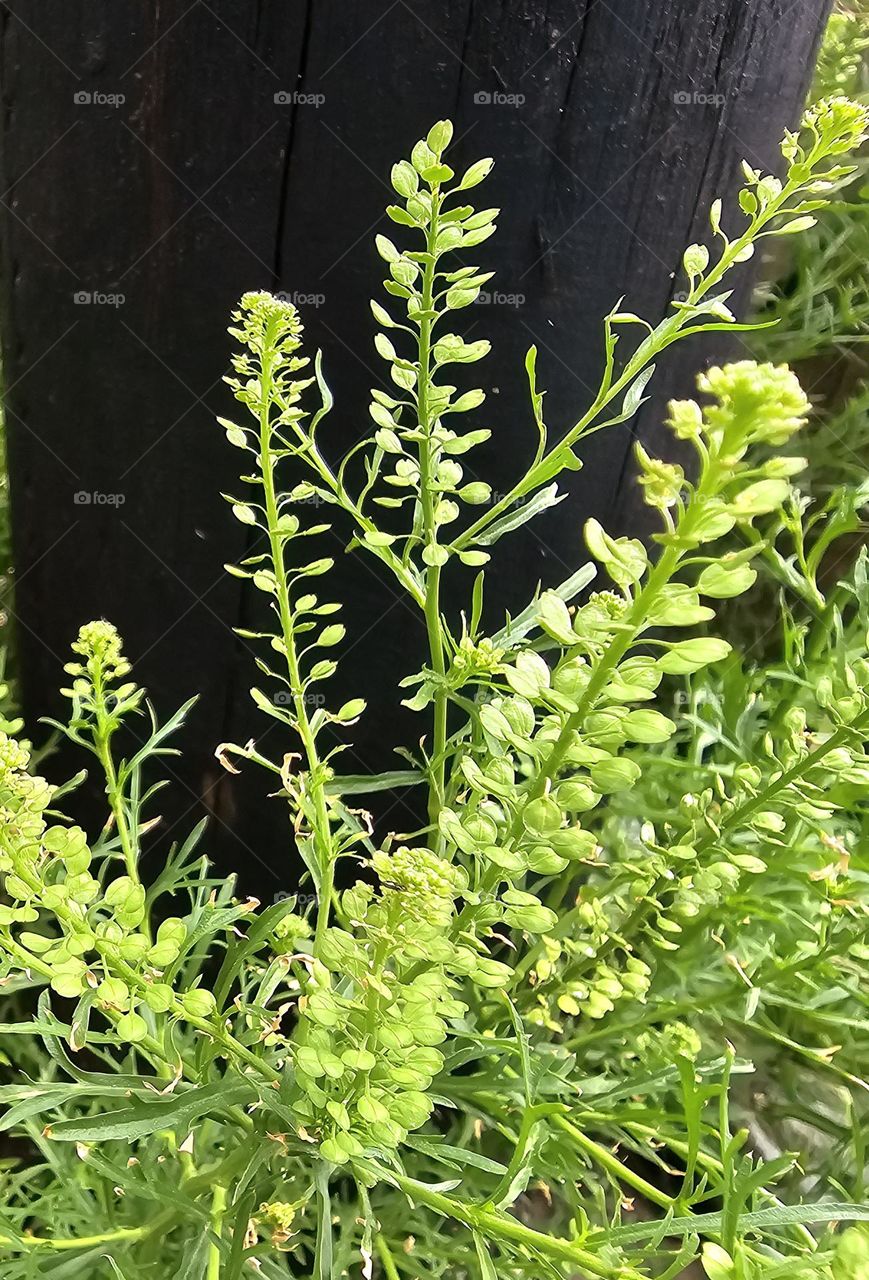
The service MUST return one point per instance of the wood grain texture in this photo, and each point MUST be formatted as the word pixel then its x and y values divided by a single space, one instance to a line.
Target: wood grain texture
pixel 252 149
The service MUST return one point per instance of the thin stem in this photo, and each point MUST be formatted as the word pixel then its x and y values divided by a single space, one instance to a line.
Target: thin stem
pixel 613 1166
pixel 322 831
pixel 658 579
pixel 427 477
pixel 628 634
pixel 667 332
pixel 114 791
pixel 501 1226
pixel 87 1242
pixel 218 1207
pixel 387 1261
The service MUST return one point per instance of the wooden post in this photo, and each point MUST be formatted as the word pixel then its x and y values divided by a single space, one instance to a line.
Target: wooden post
pixel 159 159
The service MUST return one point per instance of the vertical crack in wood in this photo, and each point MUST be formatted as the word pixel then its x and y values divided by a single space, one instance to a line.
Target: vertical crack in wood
pixel 463 59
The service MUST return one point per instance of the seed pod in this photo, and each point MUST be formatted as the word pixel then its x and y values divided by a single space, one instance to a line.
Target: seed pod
pixel 132 1028
pixel 542 816
pixel 198 1003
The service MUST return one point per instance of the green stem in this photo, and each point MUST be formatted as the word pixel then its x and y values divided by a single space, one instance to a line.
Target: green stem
pixel 115 793
pixel 613 1166
pixel 658 579
pixel 627 636
pixel 427 492
pixel 667 332
pixel 500 1226
pixel 387 1261
pixel 322 831
pixel 87 1242
pixel 218 1207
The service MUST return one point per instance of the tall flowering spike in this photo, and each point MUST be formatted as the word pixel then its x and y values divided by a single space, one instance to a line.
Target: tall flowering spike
pixel 275 429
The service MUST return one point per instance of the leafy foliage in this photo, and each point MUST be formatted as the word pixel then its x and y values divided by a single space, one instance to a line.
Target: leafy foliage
pixel 815 291
pixel 643 860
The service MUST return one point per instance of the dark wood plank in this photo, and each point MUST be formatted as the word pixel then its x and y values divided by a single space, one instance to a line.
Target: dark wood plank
pixel 251 150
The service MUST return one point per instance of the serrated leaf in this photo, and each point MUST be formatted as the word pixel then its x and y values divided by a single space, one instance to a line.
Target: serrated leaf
pixel 144 1118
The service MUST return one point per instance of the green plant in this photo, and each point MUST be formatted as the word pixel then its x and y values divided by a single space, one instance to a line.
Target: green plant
pixel 841 65
pixel 513 1030
pixel 814 288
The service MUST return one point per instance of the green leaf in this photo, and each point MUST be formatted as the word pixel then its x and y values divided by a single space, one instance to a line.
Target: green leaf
pixel 382 416
pixel 634 396
pixel 614 774
pixel 439 136
pixel 144 1118
pixel 695 259
pixel 554 618
pixel 454 1157
pixel 475 174
pixel 434 555
pixel 362 783
pixel 517 628
pixel 758 1220
pixel 459 296
pixel 542 501
pixel 374 538
pixel 760 498
pixel 644 725
pixel 405 179
pixel 386 249
pixel 244 513
pixel 487 1266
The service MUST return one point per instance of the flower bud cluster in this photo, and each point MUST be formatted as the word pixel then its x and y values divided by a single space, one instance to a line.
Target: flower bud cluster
pixel 264 320
pixel 86 937
pixel 472 660
pixel 95 691
pixel 365 1053
pixel 422 886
